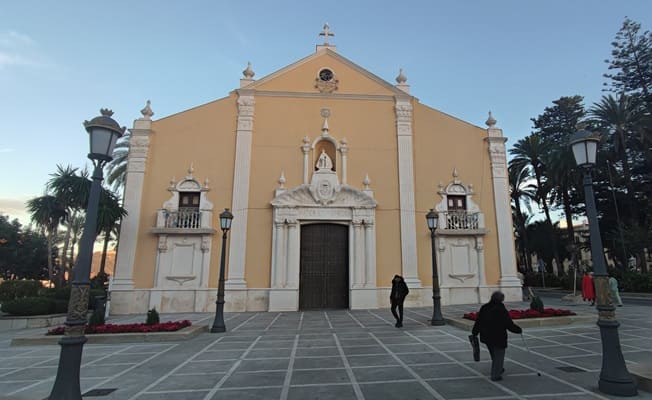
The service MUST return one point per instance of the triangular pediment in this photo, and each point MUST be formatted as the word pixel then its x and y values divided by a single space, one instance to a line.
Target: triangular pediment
pixel 301 77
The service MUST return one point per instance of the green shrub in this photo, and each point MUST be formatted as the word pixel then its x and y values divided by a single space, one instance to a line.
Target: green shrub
pixel 152 317
pixel 56 293
pixel 16 289
pixel 29 306
pixel 97 318
pixel 60 306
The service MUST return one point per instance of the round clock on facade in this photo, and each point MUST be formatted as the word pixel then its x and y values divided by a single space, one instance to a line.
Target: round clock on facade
pixel 326 75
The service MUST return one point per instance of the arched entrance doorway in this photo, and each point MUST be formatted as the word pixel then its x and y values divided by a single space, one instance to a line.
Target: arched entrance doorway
pixel 324 266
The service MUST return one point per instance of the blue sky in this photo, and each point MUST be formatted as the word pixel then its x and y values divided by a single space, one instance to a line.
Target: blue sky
pixel 61 61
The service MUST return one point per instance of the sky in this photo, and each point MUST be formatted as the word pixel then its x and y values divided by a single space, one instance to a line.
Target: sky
pixel 60 62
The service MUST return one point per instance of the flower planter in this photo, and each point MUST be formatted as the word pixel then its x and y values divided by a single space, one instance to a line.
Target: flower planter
pixel 170 326
pixel 524 314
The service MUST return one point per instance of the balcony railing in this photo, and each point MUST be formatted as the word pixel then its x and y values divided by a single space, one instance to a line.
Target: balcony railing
pixel 183 219
pixel 461 220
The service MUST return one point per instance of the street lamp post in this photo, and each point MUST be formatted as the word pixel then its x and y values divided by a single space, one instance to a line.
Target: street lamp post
pixel 614 377
pixel 103 133
pixel 437 318
pixel 218 324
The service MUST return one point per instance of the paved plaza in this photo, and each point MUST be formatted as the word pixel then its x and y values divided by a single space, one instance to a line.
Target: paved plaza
pixel 333 355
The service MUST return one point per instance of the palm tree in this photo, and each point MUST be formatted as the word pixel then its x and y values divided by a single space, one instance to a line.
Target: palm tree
pixel 117 168
pixel 71 190
pixel 522 191
pixel 531 151
pixel 47 213
pixel 563 179
pixel 76 223
pixel 110 212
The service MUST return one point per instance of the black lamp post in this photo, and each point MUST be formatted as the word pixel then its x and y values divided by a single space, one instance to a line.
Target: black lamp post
pixel 218 324
pixel 103 132
pixel 614 377
pixel 437 318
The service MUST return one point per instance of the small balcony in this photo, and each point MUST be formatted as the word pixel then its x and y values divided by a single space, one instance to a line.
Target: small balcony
pixel 186 221
pixel 461 223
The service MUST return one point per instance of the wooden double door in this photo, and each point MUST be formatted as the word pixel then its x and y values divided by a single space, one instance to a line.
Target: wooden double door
pixel 324 267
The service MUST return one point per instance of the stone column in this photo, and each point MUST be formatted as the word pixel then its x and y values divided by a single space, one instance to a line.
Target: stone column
pixel 358 253
pixel 279 262
pixel 403 110
pixel 370 254
pixel 240 201
pixel 133 194
pixel 483 290
pixel 293 256
pixel 509 282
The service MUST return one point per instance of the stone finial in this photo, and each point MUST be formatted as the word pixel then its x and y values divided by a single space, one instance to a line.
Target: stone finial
pixel 147 111
pixel 206 183
pixel 366 182
pixel 401 78
pixel 191 170
pixel 248 72
pixel 281 180
pixel 173 183
pixel 491 121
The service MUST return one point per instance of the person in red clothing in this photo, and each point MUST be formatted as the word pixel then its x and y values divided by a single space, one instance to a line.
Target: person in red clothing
pixel 588 290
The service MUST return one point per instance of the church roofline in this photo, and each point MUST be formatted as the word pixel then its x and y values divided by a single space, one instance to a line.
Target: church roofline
pixel 397 92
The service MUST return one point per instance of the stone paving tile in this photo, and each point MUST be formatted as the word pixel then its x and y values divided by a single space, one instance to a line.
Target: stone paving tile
pixel 252 379
pixel 396 391
pixel 248 394
pixel 318 352
pixel 188 382
pixel 381 374
pixel 263 365
pixel 441 371
pixel 423 358
pixel 533 384
pixel 323 392
pixel 304 377
pixel 467 388
pixel 373 360
pixel 212 365
pixel 174 396
pixel 318 362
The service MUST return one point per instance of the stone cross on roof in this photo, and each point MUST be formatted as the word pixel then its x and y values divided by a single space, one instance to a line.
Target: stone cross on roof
pixel 326 32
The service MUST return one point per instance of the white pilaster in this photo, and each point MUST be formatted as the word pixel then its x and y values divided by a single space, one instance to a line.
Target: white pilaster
pixel 370 254
pixel 508 279
pixel 305 147
pixel 133 194
pixel 403 110
pixel 358 253
pixel 279 255
pixel 344 148
pixel 240 202
pixel 293 256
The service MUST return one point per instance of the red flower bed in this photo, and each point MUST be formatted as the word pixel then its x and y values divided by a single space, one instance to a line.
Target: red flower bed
pixel 522 314
pixel 170 326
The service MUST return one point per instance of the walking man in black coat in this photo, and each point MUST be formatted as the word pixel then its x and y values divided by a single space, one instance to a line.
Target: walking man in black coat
pixel 492 324
pixel 397 297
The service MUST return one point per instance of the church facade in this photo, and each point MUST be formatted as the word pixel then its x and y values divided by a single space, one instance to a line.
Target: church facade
pixel 329 172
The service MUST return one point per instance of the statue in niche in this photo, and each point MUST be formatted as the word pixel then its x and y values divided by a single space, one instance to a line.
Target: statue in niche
pixel 324 162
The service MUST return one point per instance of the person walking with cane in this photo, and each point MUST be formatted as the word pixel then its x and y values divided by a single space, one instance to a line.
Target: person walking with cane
pixel 397 297
pixel 492 324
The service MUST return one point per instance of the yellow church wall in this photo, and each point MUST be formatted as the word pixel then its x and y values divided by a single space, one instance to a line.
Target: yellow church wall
pixel 441 143
pixel 280 124
pixel 204 136
pixel 301 78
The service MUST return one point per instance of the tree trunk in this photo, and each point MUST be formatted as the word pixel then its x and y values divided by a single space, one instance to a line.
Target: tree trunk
pixel 66 241
pixel 107 238
pixel 50 269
